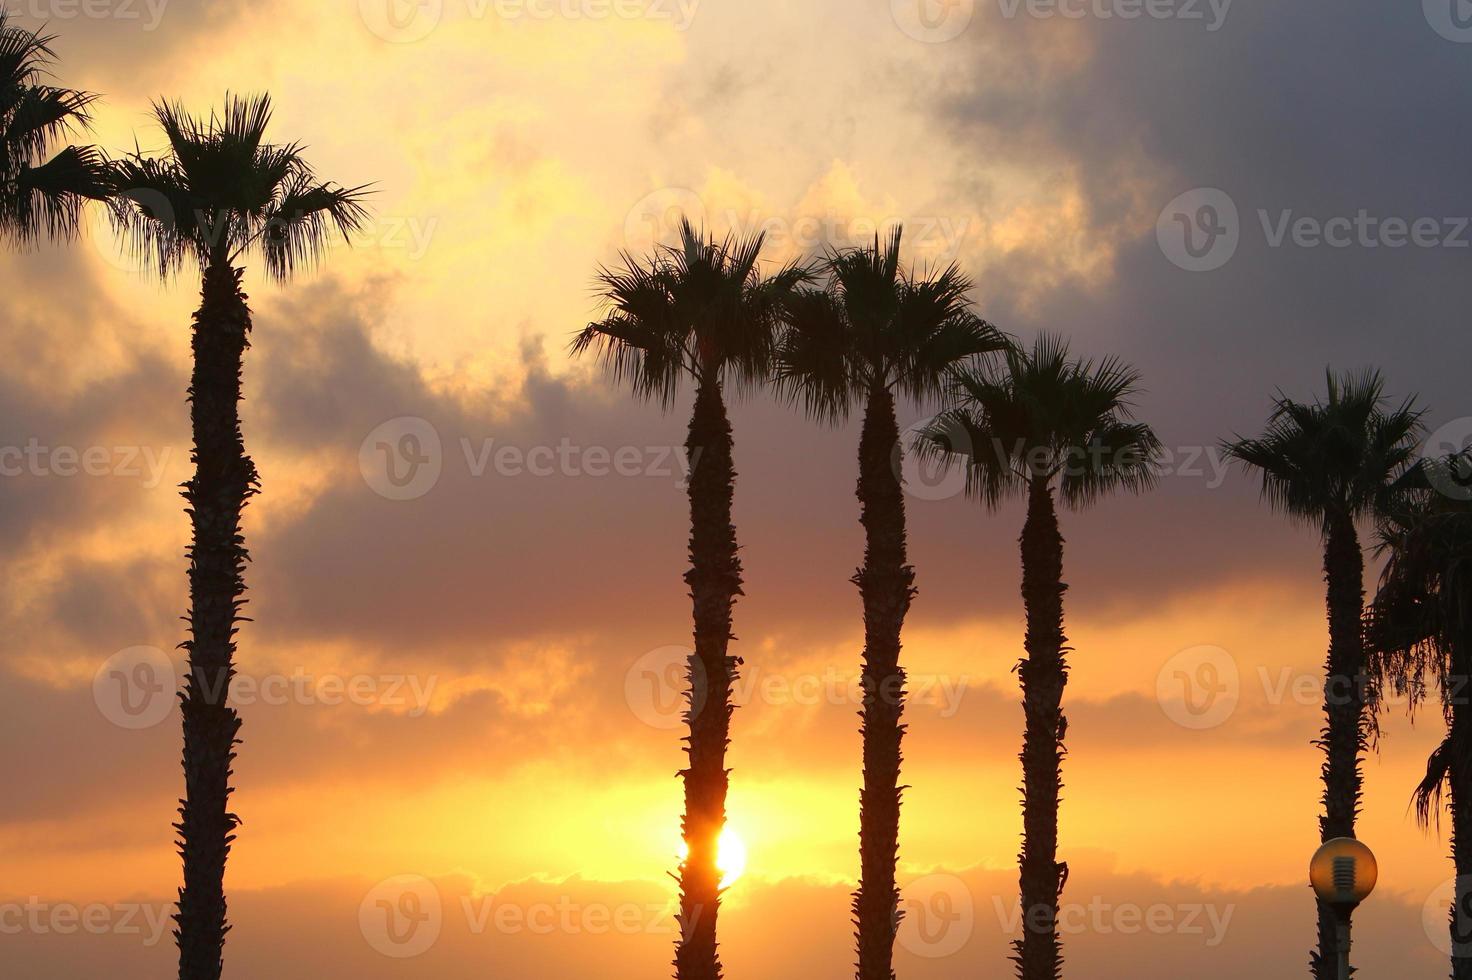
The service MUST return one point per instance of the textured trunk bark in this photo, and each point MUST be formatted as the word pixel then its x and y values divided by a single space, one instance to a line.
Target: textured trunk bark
pixel 224 478
pixel 715 582
pixel 1043 674
pixel 1460 780
pixel 1344 736
pixel 885 587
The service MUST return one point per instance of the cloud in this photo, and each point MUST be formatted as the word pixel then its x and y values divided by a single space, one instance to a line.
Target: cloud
pixel 1049 145
pixel 959 923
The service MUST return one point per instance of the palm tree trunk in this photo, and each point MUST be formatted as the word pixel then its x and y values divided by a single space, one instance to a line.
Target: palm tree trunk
pixel 885 586
pixel 1043 673
pixel 715 582
pixel 1344 736
pixel 1460 778
pixel 224 478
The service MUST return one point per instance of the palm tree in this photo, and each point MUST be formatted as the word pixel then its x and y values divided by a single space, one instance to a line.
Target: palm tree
pixel 40 194
pixel 871 333
pixel 1420 627
pixel 1330 463
pixel 700 312
pixel 1041 423
pixel 218 194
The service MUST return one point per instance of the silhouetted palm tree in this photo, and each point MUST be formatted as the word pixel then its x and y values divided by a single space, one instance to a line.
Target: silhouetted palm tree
pixel 219 193
pixel 40 192
pixel 1420 630
pixel 872 333
pixel 1042 422
pixel 1330 463
pixel 699 312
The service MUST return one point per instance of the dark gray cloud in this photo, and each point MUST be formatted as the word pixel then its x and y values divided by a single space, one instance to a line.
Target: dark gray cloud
pixel 1320 110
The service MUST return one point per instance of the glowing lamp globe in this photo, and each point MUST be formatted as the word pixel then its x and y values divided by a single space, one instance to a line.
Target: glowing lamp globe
pixel 1343 872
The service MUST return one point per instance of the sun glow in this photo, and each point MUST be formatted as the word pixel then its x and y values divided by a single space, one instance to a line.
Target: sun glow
pixel 730 856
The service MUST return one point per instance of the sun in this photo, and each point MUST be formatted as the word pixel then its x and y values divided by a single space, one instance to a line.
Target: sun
pixel 730 856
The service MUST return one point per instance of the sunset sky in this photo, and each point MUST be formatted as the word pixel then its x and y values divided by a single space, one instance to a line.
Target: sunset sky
pixel 460 689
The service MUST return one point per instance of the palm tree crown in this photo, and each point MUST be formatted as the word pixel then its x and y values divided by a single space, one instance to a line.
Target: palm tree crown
pixel 1332 459
pixel 700 309
pixel 220 191
pixel 1043 416
pixel 874 327
pixel 36 193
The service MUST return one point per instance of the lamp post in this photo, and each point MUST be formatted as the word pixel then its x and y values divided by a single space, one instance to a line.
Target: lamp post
pixel 1343 873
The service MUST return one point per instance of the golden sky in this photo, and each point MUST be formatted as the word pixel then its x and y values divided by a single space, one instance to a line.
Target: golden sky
pixel 453 691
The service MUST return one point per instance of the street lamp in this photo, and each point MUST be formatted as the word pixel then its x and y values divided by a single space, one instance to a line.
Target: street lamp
pixel 1343 873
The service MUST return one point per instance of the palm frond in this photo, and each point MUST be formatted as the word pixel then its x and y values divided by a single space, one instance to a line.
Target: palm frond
pixel 1041 415
pixel 965 437
pixel 1335 457
pixel 1428 792
pixel 38 116
pixel 701 308
pixel 156 214
pixel 50 197
pixel 875 326
pixel 220 191
pixel 41 193
pixel 811 363
pixel 640 341
pixel 298 227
